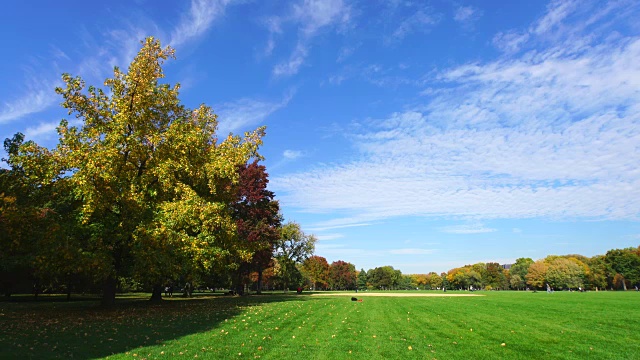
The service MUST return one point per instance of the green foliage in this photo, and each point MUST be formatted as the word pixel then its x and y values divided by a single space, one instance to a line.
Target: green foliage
pixel 362 279
pixel 384 278
pixel 521 268
pixel 293 247
pixel 153 178
pixel 625 262
pixel 564 274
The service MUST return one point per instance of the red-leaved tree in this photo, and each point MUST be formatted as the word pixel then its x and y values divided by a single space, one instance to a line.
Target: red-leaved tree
pixel 257 220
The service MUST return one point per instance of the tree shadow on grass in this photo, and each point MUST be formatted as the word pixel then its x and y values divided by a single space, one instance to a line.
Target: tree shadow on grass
pixel 82 329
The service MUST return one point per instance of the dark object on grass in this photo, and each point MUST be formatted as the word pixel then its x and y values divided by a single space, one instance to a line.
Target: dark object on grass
pixel 354 299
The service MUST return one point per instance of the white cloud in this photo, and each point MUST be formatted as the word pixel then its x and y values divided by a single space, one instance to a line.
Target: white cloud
pixel 467 16
pixel 292 154
pixel 243 113
pixel 467 229
pixel 575 24
pixel 198 20
pixel 510 41
pixel 42 129
pixel 292 66
pixel 557 11
pixel 326 237
pixel 337 224
pixel 310 17
pixel 35 101
pixel 551 134
pixel 421 21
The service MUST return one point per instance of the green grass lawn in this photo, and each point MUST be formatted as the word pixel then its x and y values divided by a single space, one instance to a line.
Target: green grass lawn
pixel 498 325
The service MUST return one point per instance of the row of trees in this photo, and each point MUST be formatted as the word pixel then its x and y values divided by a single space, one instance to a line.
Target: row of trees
pixel 144 193
pixel 319 275
pixel 617 269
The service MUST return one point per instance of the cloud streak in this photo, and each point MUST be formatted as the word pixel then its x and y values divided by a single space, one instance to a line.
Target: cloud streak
pixel 547 135
pixel 199 18
pixel 244 113
pixel 310 18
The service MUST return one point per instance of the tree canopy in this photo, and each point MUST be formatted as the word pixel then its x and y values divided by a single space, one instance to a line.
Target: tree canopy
pixel 153 178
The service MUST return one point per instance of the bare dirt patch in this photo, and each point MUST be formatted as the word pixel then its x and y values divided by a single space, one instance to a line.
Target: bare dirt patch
pixel 392 294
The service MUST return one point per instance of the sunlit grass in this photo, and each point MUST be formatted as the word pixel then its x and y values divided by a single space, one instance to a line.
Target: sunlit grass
pixel 507 325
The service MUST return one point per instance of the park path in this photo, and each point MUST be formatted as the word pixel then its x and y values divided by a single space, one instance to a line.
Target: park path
pixel 391 294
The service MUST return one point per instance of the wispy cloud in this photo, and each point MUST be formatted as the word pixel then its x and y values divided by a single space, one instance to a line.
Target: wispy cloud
pixel 326 237
pixel 243 113
pixel 467 16
pixel 42 129
pixel 102 51
pixel 422 21
pixel 467 229
pixel 549 134
pixel 310 17
pixel 199 18
pixel 35 101
pixel 337 224
pixel 292 154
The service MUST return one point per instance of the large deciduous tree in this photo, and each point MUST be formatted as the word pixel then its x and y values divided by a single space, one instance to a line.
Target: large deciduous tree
pixel 316 270
pixel 563 273
pixel 537 273
pixel 258 223
pixel 342 275
pixel 520 269
pixel 153 178
pixel 293 247
pixel 626 263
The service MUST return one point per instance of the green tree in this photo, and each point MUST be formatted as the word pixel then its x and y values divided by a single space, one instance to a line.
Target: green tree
pixel 384 278
pixel 293 247
pixel 153 178
pixel 362 279
pixel 563 273
pixel 434 280
pixel 625 262
pixel 596 278
pixel 495 276
pixel 516 282
pixel 521 268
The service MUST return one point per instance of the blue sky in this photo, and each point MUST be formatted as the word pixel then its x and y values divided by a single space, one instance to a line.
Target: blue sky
pixel 425 135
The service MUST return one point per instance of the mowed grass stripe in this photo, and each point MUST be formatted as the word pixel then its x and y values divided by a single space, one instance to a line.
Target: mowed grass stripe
pixel 603 325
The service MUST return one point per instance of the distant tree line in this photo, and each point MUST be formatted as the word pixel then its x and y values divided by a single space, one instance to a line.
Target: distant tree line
pixel 618 269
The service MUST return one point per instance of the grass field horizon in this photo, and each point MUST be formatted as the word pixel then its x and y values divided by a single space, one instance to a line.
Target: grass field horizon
pixel 506 325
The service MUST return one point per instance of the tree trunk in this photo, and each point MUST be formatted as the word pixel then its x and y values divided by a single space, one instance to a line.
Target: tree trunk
pixel 259 290
pixel 69 291
pixel 109 292
pixel 239 289
pixel 156 293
